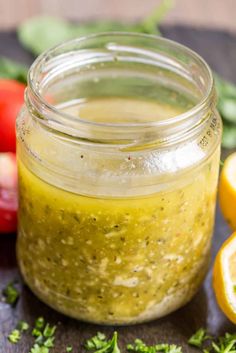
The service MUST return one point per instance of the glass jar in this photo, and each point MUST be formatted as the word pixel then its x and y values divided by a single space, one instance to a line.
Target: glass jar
pixel 118 156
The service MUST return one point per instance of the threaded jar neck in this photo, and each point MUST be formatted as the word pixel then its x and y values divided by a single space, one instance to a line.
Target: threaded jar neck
pixel 121 64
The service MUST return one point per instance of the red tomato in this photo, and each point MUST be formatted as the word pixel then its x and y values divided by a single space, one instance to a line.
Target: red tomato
pixel 11 100
pixel 8 193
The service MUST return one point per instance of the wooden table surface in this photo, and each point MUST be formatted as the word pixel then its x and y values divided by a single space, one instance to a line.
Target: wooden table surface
pixel 219 49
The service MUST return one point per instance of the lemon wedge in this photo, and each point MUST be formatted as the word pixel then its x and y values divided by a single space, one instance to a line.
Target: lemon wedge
pixel 224 277
pixel 227 190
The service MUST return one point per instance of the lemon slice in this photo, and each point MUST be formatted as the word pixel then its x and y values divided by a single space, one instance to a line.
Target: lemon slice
pixel 227 190
pixel 224 277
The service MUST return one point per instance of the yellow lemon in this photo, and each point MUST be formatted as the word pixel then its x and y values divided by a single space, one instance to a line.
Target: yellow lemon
pixel 227 190
pixel 224 277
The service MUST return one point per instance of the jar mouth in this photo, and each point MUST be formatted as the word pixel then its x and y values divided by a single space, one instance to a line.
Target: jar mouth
pixel 152 50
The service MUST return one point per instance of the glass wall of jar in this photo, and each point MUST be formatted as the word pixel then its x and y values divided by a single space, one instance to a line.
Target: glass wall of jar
pixel 118 151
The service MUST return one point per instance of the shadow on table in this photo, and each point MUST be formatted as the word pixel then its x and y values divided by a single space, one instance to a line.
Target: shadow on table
pixel 7 251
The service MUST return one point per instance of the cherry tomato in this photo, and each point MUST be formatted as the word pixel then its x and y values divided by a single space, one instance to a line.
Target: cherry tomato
pixel 8 193
pixel 11 100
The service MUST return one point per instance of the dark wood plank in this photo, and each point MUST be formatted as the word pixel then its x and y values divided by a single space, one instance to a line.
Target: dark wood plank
pixel 219 49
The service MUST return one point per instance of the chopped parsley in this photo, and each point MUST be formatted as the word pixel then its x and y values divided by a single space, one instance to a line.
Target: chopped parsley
pixel 39 349
pixel 22 326
pixel 49 342
pixel 141 347
pixel 14 336
pixel 44 336
pixel 99 344
pixel 11 294
pixel 39 323
pixel 36 332
pixel 198 338
pixel 224 344
pixel 49 330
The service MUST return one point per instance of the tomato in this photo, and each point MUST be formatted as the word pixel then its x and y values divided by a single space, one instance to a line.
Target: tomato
pixel 11 100
pixel 8 193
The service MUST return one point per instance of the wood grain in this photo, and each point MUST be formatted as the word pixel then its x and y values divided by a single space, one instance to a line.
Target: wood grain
pixel 218 48
pixel 208 13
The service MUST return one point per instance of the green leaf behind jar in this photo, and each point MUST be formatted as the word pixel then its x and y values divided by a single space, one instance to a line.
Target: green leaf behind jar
pixel 41 33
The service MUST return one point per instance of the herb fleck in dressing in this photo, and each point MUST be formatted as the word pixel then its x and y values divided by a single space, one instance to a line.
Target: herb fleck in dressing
pixel 116 260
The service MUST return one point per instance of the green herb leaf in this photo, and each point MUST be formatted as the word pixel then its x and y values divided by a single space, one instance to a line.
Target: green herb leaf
pixel 140 347
pixel 229 136
pixel 44 336
pixel 69 348
pixel 11 294
pixel 224 88
pixel 99 344
pixel 150 24
pixel 39 349
pixel 9 69
pixel 36 332
pixel 49 342
pixel 114 344
pixel 49 330
pixel 39 323
pixel 227 109
pixel 22 326
pixel 41 33
pixel 225 344
pixel 14 336
pixel 198 338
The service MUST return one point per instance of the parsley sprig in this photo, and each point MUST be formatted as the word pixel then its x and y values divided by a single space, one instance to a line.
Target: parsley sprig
pixel 198 338
pixel 11 294
pixel 15 336
pixel 141 347
pixel 100 344
pixel 44 335
pixel 222 344
pixel 43 32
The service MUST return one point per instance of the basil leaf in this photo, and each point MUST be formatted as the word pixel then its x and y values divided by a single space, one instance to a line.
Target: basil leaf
pixel 11 70
pixel 229 136
pixel 150 24
pixel 41 33
pixel 227 108
pixel 224 88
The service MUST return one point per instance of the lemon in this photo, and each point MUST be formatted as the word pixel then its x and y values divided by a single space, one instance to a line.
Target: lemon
pixel 224 277
pixel 227 190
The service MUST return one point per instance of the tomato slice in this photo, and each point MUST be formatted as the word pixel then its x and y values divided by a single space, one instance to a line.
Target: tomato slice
pixel 8 193
pixel 11 100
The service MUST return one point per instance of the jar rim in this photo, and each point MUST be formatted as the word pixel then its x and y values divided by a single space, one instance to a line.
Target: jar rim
pixel 195 110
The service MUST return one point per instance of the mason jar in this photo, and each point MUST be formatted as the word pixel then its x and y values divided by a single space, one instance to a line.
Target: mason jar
pixel 118 158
